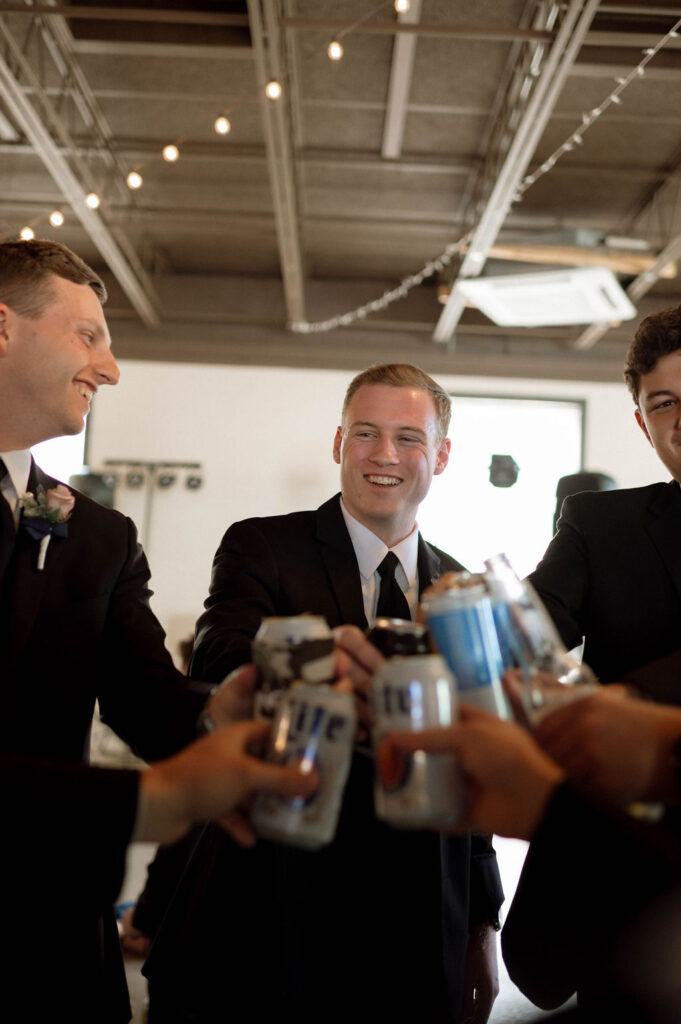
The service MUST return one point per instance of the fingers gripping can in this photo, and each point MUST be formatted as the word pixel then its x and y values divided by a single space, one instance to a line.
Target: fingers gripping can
pixel 419 790
pixel 299 647
pixel 313 728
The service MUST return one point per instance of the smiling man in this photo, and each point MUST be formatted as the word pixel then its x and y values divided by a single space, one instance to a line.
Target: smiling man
pixel 75 620
pixel 396 925
pixel 612 573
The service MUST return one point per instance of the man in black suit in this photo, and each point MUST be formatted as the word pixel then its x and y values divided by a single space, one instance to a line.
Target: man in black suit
pixel 612 573
pixel 378 921
pixel 75 620
pixel 66 830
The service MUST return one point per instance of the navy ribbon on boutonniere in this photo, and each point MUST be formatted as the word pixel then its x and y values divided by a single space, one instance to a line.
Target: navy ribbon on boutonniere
pixel 43 530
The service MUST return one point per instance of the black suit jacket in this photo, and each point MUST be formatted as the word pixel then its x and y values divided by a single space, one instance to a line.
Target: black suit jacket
pixel 82 629
pixel 363 925
pixel 612 574
pixel 597 912
pixel 66 828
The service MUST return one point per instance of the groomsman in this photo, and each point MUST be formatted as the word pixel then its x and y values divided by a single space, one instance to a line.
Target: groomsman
pixel 75 620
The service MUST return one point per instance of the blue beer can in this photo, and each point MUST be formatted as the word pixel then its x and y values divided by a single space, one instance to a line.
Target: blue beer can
pixel 461 625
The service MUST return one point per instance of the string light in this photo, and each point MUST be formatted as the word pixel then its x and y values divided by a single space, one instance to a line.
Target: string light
pixel 575 139
pixel 92 200
pixel 27 234
pixel 222 126
pixel 134 180
pixel 402 6
pixel 273 90
pixel 334 50
pixel 56 218
pixel 170 153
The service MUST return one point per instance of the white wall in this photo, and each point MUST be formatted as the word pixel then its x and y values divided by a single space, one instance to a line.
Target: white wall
pixel 264 438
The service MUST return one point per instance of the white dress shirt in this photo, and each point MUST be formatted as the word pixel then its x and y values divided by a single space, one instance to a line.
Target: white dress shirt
pixel 370 552
pixel 15 482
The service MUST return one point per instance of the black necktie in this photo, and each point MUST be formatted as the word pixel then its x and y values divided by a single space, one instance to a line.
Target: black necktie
pixel 392 604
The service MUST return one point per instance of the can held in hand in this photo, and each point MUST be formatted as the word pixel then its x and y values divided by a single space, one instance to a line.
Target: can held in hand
pixel 299 647
pixel 418 790
pixel 398 637
pixel 314 728
pixel 461 625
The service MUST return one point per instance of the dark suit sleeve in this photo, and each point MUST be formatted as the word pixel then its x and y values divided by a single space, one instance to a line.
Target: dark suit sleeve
pixel 589 873
pixel 71 822
pixel 486 890
pixel 660 680
pixel 142 696
pixel 562 577
pixel 243 589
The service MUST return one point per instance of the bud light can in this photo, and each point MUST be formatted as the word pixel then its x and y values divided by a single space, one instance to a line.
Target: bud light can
pixel 398 636
pixel 418 790
pixel 313 728
pixel 299 647
pixel 462 627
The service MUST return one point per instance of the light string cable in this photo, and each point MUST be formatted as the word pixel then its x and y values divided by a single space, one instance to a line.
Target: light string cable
pixel 444 259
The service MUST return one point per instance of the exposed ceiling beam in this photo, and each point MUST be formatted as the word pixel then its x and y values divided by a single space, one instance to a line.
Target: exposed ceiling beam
pixel 269 65
pixel 138 14
pixel 561 57
pixel 338 26
pixel 399 86
pixel 636 290
pixel 133 280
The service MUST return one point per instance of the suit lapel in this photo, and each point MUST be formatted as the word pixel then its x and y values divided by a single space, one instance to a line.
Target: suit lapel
pixel 664 529
pixel 25 583
pixel 339 559
pixel 428 563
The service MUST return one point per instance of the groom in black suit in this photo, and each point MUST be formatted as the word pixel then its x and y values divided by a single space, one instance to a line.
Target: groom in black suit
pixel 379 922
pixel 612 573
pixel 75 620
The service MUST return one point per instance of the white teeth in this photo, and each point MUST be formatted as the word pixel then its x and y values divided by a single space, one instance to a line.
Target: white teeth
pixel 84 391
pixel 391 481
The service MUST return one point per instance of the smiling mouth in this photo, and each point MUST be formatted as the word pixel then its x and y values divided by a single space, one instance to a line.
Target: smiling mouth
pixel 384 481
pixel 84 390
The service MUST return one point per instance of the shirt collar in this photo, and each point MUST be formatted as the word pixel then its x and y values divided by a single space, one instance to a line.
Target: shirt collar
pixel 18 467
pixel 370 550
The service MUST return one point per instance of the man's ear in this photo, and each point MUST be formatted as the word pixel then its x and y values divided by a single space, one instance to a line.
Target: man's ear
pixel 5 316
pixel 337 441
pixel 642 425
pixel 442 457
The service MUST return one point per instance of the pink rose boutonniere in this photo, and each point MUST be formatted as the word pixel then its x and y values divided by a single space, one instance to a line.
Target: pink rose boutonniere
pixel 45 514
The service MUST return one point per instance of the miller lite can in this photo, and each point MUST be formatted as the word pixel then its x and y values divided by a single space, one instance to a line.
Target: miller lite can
pixel 462 627
pixel 313 728
pixel 418 790
pixel 296 648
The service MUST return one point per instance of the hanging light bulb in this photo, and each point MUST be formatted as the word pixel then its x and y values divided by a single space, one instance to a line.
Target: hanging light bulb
pixel 222 126
pixel 273 90
pixel 402 6
pixel 56 218
pixel 334 50
pixel 92 200
pixel 134 179
pixel 27 234
pixel 170 153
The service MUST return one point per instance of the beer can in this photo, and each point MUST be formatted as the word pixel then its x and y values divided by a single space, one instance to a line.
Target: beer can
pixel 419 790
pixel 461 625
pixel 314 728
pixel 298 647
pixel 398 637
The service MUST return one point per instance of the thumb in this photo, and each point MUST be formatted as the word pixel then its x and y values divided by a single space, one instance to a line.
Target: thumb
pixel 282 779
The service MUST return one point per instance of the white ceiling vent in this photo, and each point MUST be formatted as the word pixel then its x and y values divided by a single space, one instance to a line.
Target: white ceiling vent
pixel 583 296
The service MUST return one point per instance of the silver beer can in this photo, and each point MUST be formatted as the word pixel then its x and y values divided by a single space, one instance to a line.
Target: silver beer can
pixel 297 647
pixel 419 790
pixel 314 728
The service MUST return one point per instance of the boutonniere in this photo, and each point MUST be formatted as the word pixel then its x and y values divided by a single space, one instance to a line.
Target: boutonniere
pixel 45 514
